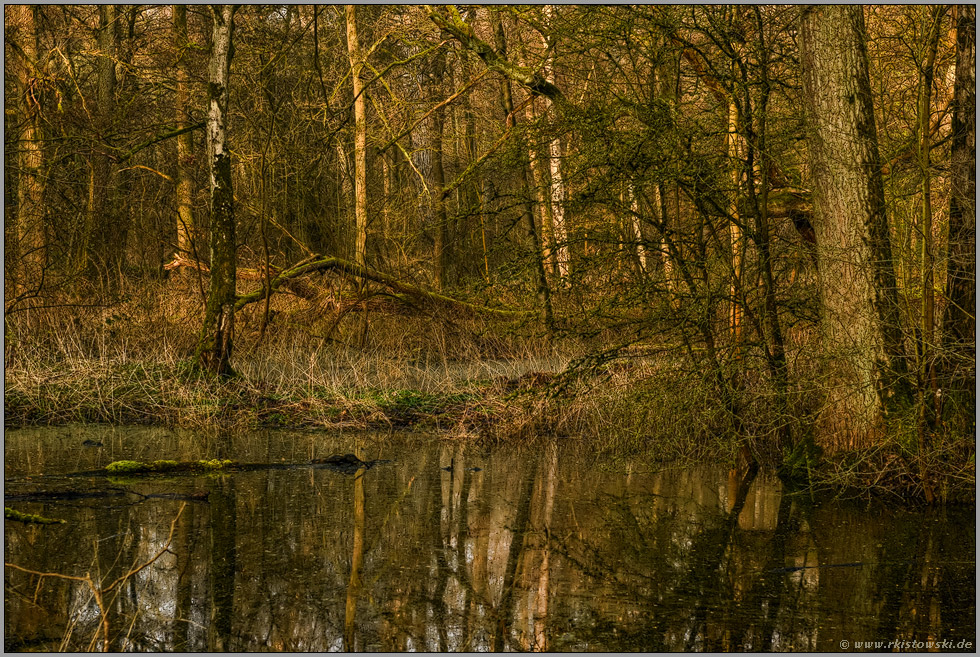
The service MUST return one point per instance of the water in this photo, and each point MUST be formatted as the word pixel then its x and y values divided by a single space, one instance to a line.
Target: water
pixel 543 547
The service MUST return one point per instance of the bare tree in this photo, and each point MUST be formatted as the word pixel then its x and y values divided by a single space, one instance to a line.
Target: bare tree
pixel 214 346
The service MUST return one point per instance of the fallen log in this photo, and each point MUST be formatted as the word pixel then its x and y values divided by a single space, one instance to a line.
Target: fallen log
pixel 405 292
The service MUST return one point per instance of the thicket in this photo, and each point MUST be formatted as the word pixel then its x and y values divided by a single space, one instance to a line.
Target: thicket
pixel 595 221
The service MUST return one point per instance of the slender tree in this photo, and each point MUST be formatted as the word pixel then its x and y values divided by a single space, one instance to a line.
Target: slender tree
pixel 217 334
pixel 185 144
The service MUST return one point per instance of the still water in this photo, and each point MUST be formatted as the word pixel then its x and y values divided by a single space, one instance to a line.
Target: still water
pixel 545 547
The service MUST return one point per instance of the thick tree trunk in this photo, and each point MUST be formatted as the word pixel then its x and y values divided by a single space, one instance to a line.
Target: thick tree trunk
pixel 30 233
pixel 862 338
pixel 102 251
pixel 185 143
pixel 217 334
pixel 959 319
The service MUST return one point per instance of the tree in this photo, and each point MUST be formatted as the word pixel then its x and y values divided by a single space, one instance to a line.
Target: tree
pixel 959 319
pixel 30 232
pixel 859 309
pixel 214 346
pixel 185 144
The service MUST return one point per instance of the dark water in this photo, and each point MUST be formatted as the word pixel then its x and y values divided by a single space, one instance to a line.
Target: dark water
pixel 545 547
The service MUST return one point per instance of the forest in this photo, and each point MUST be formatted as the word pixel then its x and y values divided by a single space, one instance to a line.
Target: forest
pixel 704 232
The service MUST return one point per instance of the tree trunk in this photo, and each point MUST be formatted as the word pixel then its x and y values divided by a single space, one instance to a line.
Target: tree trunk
pixel 862 338
pixel 542 290
pixel 185 143
pixel 440 218
pixel 215 343
pixel 101 253
pixel 30 234
pixel 557 186
pixel 360 159
pixel 735 150
pixel 360 141
pixel 959 319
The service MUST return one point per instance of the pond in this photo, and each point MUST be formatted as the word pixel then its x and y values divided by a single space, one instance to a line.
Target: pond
pixel 541 547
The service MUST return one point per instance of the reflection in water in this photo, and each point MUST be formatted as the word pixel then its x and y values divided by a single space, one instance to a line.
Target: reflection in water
pixel 542 548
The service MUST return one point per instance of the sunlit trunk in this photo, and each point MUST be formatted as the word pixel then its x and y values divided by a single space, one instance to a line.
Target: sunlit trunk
pixel 735 150
pixel 557 185
pixel 542 290
pixel 214 347
pixel 636 228
pixel 185 144
pixel 860 321
pixel 30 233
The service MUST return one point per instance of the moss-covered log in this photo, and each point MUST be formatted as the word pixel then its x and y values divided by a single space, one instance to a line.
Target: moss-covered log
pixel 13 514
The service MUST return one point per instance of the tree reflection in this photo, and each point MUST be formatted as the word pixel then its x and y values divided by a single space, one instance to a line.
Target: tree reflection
pixel 540 550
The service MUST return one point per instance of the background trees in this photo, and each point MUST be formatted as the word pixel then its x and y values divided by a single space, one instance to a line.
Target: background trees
pixel 640 178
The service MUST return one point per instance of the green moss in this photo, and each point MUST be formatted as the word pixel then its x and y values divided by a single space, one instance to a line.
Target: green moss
pixel 215 464
pixel 135 467
pixel 12 514
pixel 124 467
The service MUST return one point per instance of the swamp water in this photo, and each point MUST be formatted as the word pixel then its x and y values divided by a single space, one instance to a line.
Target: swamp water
pixel 543 547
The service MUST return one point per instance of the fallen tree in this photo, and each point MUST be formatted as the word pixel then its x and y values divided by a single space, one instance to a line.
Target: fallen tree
pixel 288 278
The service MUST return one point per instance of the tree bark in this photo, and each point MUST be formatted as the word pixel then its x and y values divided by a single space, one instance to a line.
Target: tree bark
pixel 30 234
pixel 557 185
pixel 101 253
pixel 859 311
pixel 185 143
pixel 959 319
pixel 360 140
pixel 440 220
pixel 215 343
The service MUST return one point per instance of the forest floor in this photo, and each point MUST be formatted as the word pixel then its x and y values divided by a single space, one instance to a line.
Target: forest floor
pixel 456 379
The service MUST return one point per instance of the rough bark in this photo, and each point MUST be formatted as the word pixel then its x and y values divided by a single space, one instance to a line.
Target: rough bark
pixel 933 18
pixel 865 377
pixel 215 343
pixel 101 252
pixel 185 143
pixel 30 233
pixel 959 319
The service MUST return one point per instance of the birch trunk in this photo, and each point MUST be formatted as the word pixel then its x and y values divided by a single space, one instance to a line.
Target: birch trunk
pixel 215 343
pixel 543 292
pixel 557 186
